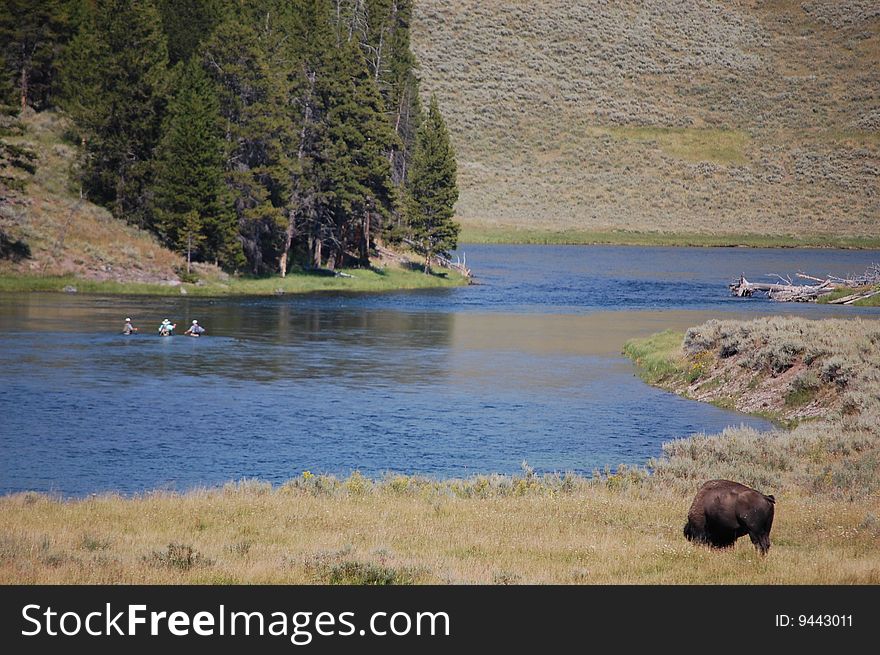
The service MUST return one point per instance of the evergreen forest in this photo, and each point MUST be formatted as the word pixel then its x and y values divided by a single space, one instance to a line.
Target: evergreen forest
pixel 260 135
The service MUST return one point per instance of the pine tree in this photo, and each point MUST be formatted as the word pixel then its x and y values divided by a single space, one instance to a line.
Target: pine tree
pixel 353 159
pixel 311 38
pixel 193 209
pixel 254 104
pixel 385 42
pixel 187 23
pixel 432 190
pixel 17 162
pixel 402 88
pixel 32 35
pixel 115 78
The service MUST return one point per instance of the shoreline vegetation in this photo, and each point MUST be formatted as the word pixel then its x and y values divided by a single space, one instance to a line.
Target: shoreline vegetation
pixel 486 234
pixel 620 526
pixel 390 278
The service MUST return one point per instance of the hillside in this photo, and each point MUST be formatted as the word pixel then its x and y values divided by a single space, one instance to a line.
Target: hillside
pixel 64 235
pixel 675 116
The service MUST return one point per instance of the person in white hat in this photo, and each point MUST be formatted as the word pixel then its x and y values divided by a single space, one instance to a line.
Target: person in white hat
pixel 128 328
pixel 195 330
pixel 166 329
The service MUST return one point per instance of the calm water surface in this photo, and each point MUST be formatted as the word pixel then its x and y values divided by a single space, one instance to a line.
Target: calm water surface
pixel 523 366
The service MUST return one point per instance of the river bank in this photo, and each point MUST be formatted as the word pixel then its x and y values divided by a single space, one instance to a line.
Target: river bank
pixel 354 280
pixel 820 377
pixel 500 234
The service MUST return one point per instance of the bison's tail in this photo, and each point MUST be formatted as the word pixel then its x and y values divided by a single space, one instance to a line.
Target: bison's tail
pixel 770 498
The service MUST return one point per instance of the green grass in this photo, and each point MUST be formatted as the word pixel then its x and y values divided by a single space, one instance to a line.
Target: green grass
pixel 873 301
pixel 658 357
pixel 389 279
pixel 719 146
pixel 479 233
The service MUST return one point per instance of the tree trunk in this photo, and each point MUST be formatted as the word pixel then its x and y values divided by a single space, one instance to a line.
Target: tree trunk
pixel 189 241
pixel 365 243
pixel 288 240
pixel 427 262
pixel 24 88
pixel 282 264
pixel 316 252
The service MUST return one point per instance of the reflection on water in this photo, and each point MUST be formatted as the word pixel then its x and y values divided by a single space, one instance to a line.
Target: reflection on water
pixel 433 383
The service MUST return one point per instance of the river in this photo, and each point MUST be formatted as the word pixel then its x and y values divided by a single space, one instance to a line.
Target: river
pixel 523 366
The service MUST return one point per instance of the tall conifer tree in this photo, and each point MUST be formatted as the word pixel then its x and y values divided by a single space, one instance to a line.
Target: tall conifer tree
pixel 311 41
pixel 115 81
pixel 432 189
pixel 254 104
pixel 193 208
pixel 354 162
pixel 32 35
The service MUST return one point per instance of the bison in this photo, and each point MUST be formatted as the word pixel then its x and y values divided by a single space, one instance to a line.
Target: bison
pixel 723 511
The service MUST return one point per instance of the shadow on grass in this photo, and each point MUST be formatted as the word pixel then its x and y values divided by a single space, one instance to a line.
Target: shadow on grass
pixel 13 250
pixel 420 268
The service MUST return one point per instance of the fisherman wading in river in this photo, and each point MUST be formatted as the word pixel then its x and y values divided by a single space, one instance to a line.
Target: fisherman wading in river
pixel 195 330
pixel 166 329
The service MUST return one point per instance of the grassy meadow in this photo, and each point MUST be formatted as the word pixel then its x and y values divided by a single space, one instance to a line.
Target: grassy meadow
pixel 486 232
pixel 622 526
pixel 405 531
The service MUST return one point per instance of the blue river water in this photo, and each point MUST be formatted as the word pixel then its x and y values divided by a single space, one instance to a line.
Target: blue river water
pixel 523 366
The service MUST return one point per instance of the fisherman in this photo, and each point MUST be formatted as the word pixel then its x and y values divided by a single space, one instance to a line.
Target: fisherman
pixel 166 329
pixel 195 330
pixel 128 328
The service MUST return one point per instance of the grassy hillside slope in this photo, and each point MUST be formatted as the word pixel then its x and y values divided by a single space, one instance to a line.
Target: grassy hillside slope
pixel 702 117
pixel 67 236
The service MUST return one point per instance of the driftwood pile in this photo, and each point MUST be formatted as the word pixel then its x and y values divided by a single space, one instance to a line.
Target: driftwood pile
pixel 863 286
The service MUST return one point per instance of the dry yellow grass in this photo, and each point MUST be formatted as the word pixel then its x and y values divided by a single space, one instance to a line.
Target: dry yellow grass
pixel 592 533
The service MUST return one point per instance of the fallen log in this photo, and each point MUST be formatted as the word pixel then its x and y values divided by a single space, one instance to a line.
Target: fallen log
pixel 459 265
pixel 865 285
pixel 782 292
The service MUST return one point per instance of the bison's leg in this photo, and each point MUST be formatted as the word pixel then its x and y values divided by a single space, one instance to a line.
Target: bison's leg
pixel 762 542
pixel 758 526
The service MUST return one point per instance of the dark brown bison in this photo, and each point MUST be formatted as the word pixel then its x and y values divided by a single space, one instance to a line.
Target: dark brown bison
pixel 723 511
